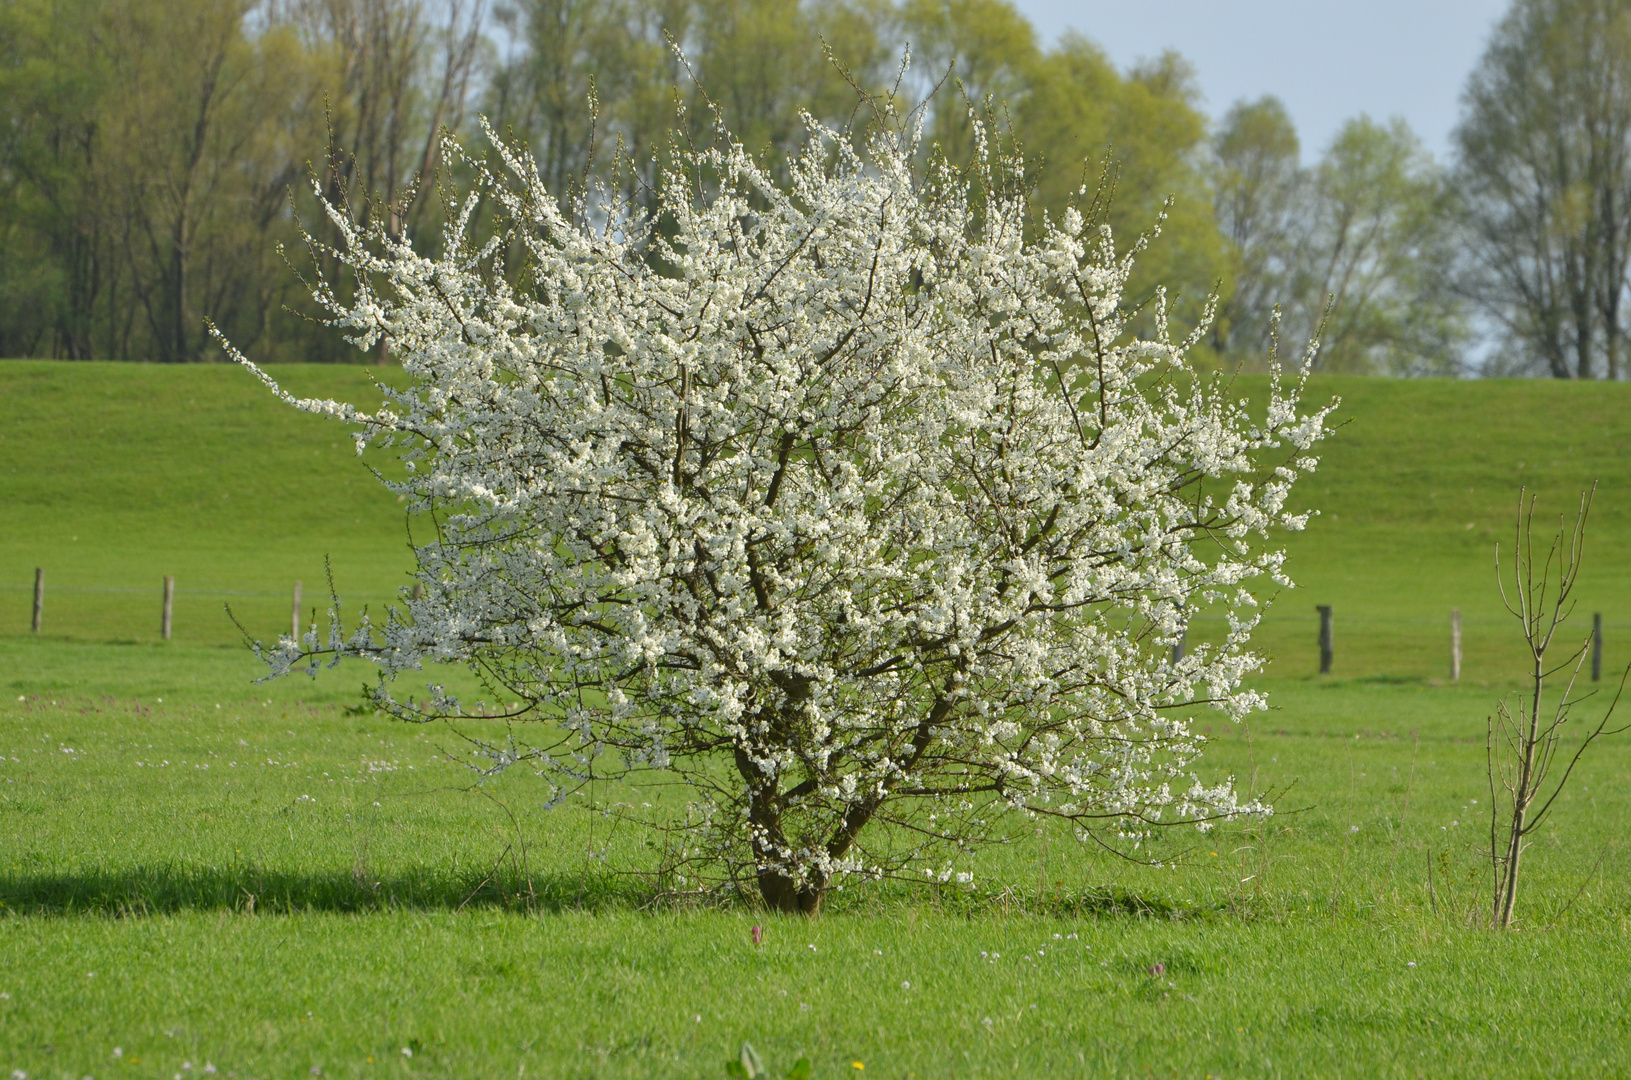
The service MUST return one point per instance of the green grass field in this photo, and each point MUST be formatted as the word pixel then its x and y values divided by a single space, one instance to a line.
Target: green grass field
pixel 202 873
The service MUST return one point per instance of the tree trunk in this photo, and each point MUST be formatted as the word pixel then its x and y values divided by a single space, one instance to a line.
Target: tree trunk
pixel 1509 886
pixel 1580 304
pixel 782 894
pixel 780 889
pixel 174 341
pixel 1521 799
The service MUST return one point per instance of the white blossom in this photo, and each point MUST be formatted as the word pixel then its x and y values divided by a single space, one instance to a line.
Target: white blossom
pixel 871 518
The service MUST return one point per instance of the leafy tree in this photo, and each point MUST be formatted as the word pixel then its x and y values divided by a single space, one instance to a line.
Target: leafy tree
pixel 210 171
pixel 60 239
pixel 761 63
pixel 1073 113
pixel 1081 112
pixel 397 73
pixel 970 51
pixel 1358 250
pixel 148 150
pixel 573 50
pixel 1377 250
pixel 148 147
pixel 1259 198
pixel 755 62
pixel 821 519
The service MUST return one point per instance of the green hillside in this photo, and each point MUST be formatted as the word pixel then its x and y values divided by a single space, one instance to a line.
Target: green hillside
pixel 114 475
pixel 1415 490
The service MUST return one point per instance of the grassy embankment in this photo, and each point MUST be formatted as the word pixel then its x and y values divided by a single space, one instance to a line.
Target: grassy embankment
pixel 226 877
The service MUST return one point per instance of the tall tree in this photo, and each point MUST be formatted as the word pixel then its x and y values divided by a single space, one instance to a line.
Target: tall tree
pixel 762 61
pixel 1072 111
pixel 213 143
pixel 1259 196
pixel 567 53
pixel 148 147
pixel 1081 112
pixel 61 238
pixel 757 62
pixel 973 51
pixel 1373 265
pixel 405 70
pixel 1356 251
pixel 1544 179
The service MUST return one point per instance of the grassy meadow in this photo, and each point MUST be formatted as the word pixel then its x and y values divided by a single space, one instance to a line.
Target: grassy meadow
pixel 201 875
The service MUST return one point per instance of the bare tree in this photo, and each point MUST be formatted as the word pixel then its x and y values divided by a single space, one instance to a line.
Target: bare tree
pixel 1525 738
pixel 1545 181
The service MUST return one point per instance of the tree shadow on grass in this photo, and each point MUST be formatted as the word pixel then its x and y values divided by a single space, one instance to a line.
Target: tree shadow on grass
pixel 1088 903
pixel 167 889
pixel 249 889
pixel 1107 902
pixel 1412 681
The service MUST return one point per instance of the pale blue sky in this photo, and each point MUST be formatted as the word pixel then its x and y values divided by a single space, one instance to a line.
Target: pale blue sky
pixel 1326 60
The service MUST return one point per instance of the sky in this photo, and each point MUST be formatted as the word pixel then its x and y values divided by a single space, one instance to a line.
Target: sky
pixel 1328 60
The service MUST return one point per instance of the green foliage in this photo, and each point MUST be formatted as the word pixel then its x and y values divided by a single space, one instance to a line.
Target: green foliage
pixel 156 156
pixel 972 50
pixel 1379 246
pixel 1359 250
pixel 1147 124
pixel 1257 192
pixel 148 194
pixel 757 61
pixel 1072 114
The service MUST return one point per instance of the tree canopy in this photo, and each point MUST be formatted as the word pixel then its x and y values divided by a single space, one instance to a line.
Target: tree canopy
pixel 153 161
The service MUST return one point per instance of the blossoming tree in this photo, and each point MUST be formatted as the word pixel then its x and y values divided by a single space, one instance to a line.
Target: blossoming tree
pixel 838 498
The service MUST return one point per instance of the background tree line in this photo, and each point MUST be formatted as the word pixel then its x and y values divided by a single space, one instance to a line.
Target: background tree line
pixel 156 158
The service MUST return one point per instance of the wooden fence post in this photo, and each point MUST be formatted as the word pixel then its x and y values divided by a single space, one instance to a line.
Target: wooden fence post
pixel 169 603
pixel 1455 644
pixel 1325 638
pixel 1178 646
pixel 39 598
pixel 294 614
pixel 1597 647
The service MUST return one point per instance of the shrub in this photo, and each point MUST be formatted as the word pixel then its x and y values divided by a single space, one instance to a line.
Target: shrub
pixel 867 517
